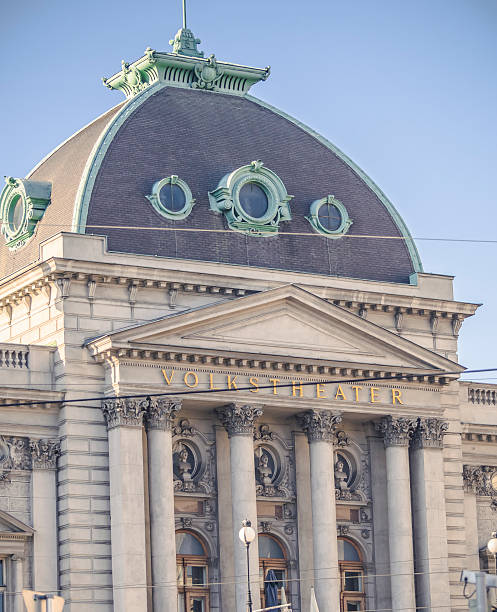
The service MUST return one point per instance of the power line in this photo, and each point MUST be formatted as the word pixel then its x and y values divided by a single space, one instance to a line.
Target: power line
pixel 273 386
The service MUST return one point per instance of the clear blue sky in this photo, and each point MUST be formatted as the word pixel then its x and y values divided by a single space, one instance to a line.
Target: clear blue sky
pixel 407 89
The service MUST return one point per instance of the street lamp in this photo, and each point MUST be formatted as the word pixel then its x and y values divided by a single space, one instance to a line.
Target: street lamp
pixel 247 536
pixel 492 543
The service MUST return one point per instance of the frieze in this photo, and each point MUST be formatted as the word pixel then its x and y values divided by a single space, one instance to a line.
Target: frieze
pixel 396 431
pixel 239 419
pixel 161 412
pixel 319 425
pixel 429 433
pixel 44 454
pixel 124 412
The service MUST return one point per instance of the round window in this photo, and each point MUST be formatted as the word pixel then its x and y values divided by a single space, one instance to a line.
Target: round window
pixel 16 213
pixel 253 200
pixel 329 217
pixel 172 197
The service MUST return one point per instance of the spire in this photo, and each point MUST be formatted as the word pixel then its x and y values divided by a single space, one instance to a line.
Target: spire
pixel 185 43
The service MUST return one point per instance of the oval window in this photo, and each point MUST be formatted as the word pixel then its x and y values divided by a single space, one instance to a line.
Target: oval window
pixel 16 213
pixel 172 197
pixel 253 200
pixel 329 217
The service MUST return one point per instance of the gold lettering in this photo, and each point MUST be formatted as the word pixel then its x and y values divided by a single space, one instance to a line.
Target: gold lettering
pixel 255 383
pixel 232 383
pixel 168 380
pixel 211 382
pixel 274 381
pixel 374 397
pixel 340 393
pixel 195 379
pixel 320 391
pixel 356 390
pixel 297 386
pixel 396 393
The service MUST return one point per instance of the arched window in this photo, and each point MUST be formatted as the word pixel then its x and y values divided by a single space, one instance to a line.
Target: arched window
pixel 191 573
pixel 272 556
pixel 352 596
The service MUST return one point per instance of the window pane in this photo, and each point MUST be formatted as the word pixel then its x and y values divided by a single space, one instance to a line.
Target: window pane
pixel 269 548
pixel 353 581
pixel 329 216
pixel 353 605
pixel 2 571
pixel 172 197
pixel 187 544
pixel 253 200
pixel 179 575
pixel 195 574
pixel 347 552
pixel 198 604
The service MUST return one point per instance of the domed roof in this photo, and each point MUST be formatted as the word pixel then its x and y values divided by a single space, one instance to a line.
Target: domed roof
pixel 101 179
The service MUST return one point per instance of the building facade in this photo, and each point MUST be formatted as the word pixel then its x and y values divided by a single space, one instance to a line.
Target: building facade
pixel 208 314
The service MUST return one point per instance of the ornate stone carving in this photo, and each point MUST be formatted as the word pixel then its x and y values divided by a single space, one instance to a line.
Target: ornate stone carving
pixel 396 431
pixel 186 522
pixel 429 433
pixel 127 412
pixel 481 479
pixel 161 412
pixel 194 472
pixel 209 526
pixel 44 454
pixel 263 433
pixel 239 419
pixel 289 530
pixel 342 530
pixel 266 526
pixel 207 74
pixel 14 455
pixel 341 439
pixel 184 429
pixel 365 533
pixel 319 425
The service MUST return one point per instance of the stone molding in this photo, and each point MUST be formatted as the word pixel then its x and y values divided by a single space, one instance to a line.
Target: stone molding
pixel 478 479
pixel 429 433
pixel 239 419
pixel 396 431
pixel 319 425
pixel 124 412
pixel 44 453
pixel 161 413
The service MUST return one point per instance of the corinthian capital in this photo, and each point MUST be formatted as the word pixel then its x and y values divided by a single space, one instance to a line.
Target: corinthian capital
pixel 429 433
pixel 238 419
pixel 397 431
pixel 161 412
pixel 319 424
pixel 44 454
pixel 127 412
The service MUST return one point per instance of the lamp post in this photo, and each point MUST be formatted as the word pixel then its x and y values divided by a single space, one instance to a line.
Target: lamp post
pixel 247 536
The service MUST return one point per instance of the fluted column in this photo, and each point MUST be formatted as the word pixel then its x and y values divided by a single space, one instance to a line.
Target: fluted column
pixel 429 518
pixel 238 421
pixel 397 432
pixel 159 419
pixel 124 419
pixel 319 425
pixel 44 454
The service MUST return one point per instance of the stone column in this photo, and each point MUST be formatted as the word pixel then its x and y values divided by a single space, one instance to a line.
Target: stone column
pixel 239 423
pixel 18 569
pixel 429 517
pixel 319 425
pixel 473 479
pixel 159 418
pixel 397 432
pixel 44 455
pixel 124 419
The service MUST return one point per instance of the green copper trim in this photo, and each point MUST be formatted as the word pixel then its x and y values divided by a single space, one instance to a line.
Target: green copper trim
pixel 313 217
pixel 184 70
pixel 399 222
pixel 161 208
pixel 22 205
pixel 225 199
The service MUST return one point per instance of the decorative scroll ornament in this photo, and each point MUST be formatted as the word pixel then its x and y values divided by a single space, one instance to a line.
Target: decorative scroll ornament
pixel 44 454
pixel 341 439
pixel 207 74
pixel 238 419
pixel 319 425
pixel 263 433
pixel 184 429
pixel 127 412
pixel 131 79
pixel 481 479
pixel 396 431
pixel 429 433
pixel 22 205
pixel 161 412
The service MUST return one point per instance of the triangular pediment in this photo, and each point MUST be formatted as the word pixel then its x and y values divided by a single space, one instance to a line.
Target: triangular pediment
pixel 10 525
pixel 288 322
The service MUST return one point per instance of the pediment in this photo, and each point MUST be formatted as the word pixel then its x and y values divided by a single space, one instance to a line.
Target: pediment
pixel 10 525
pixel 288 322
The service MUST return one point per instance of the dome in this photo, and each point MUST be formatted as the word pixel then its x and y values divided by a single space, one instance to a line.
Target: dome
pixel 187 128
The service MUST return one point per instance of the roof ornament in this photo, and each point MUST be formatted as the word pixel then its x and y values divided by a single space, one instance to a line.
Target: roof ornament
pixel 185 43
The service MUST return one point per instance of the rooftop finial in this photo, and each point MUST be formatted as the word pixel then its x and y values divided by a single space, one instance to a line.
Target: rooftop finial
pixel 185 43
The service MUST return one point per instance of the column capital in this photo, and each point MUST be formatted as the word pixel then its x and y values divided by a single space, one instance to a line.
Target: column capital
pixel 396 431
pixel 239 419
pixel 429 433
pixel 161 412
pixel 319 425
pixel 127 412
pixel 44 454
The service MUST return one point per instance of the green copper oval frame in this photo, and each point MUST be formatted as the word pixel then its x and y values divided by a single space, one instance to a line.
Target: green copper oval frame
pixel 313 217
pixel 154 198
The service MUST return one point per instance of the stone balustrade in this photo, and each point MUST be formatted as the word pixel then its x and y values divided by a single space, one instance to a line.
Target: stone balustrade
pixel 483 395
